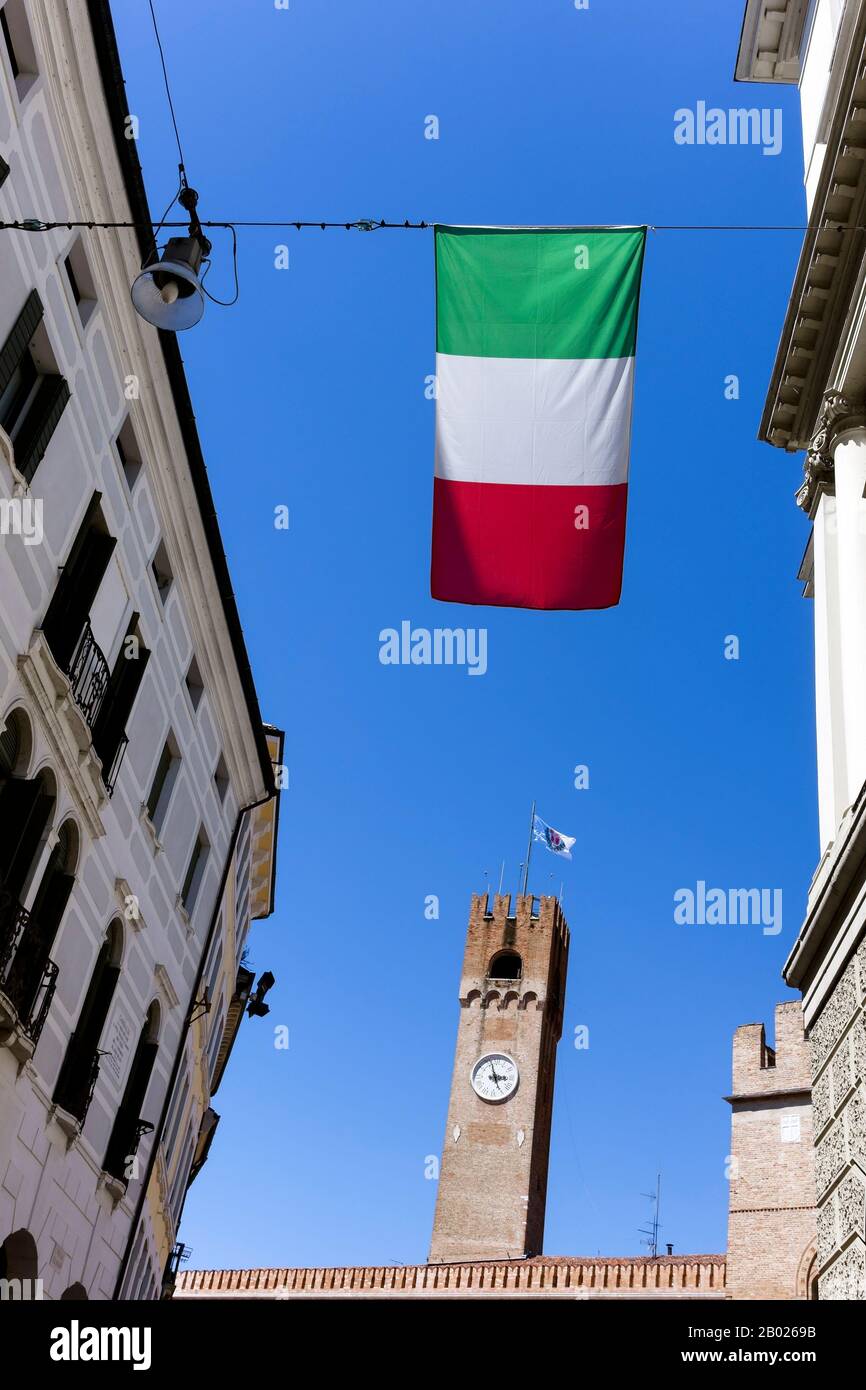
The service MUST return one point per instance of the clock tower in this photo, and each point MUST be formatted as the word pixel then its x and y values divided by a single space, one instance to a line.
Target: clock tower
pixel 493 1175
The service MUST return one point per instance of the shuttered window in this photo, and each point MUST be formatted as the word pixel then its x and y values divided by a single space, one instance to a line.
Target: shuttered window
pixel 31 402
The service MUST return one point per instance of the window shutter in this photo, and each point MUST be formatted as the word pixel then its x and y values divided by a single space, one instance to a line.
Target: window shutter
pixel 40 423
pixel 76 589
pixel 24 813
pixel 129 1114
pixel 123 687
pixel 30 959
pixel 73 1084
pixel 16 344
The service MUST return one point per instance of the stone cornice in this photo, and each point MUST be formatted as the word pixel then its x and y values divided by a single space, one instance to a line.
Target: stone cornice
pixel 830 265
pixel 756 1097
pixel 770 41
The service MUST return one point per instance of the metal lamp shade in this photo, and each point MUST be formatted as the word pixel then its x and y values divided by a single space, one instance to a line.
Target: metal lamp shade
pixel 168 292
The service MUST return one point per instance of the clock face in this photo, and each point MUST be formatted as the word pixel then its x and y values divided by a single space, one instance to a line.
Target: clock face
pixel 494 1077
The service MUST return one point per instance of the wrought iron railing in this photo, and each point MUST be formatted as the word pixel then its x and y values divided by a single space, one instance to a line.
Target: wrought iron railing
pixel 109 775
pixel 179 1255
pixel 89 675
pixel 121 1155
pixel 75 1089
pixel 27 977
pixel 35 1022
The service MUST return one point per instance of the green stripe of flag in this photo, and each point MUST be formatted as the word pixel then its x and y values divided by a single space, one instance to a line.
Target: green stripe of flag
pixel 508 292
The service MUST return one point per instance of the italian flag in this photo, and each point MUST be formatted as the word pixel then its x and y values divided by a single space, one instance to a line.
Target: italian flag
pixel 535 344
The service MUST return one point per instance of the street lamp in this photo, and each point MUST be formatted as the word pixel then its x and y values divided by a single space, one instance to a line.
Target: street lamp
pixel 168 292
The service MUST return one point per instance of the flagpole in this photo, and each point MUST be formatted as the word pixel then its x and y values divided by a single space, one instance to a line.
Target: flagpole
pixel 528 850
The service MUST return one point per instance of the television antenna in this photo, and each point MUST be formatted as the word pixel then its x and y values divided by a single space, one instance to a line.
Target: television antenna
pixel 651 1232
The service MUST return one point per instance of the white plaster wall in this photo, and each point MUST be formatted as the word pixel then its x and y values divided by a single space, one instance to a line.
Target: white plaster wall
pixel 56 1194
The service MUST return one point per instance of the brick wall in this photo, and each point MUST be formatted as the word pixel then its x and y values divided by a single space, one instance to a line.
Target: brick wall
pixel 771 1216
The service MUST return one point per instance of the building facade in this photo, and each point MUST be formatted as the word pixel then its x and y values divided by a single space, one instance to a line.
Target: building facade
pixel 817 402
pixel 227 992
pixel 771 1169
pixel 131 744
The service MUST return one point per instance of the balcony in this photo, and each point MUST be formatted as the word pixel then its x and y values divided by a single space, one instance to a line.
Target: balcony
pixel 28 978
pixel 121 1160
pixel 88 675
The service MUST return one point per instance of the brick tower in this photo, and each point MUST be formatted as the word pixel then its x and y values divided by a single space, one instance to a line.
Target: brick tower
pixel 493 1176
pixel 771 1218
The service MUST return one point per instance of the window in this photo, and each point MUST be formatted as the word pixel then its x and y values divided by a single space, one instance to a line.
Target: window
pixel 174 1117
pixel 128 453
pixel 163 783
pixel 18 43
pixel 215 959
pixel 26 973
pixel 162 571
pixel 80 1068
pixel 4 171
pixel 32 394
pixel 194 873
pixel 216 1034
pixel 80 281
pixel 790 1129
pixel 109 729
pixel 180 1181
pixel 221 779
pixel 129 1126
pixel 81 575
pixel 506 966
pixel 194 687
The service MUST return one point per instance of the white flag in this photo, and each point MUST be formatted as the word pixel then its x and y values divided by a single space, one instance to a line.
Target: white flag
pixel 554 840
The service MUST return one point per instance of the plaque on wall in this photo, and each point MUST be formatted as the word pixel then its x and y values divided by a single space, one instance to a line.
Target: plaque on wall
pixel 118 1045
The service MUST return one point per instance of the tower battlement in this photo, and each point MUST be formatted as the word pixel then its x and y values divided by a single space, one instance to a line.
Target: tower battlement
pixel 759 1069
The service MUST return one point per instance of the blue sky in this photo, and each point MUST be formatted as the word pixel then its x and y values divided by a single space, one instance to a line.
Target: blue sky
pixel 410 781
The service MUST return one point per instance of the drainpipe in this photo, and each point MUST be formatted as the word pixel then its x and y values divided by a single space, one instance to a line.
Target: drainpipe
pixel 181 1048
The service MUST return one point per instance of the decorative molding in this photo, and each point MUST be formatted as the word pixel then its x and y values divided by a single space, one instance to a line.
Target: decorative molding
pixel 150 828
pixel 124 893
pixel 162 979
pixel 66 730
pixel 838 413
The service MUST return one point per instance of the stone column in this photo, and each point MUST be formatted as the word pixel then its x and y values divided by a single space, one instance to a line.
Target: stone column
pixel 829 714
pixel 849 460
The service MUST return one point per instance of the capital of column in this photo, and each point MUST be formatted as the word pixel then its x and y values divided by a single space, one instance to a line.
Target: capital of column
pixel 838 414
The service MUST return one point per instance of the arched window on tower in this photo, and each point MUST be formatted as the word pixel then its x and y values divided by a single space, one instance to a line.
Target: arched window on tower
pixel 129 1127
pixel 507 965
pixel 77 1079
